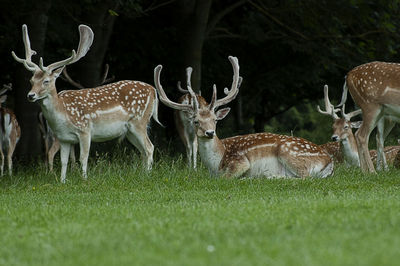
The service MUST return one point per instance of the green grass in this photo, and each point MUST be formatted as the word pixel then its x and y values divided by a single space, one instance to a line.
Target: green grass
pixel 124 215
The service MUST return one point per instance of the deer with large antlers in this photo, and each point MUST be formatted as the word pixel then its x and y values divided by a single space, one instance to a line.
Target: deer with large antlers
pixel 103 113
pixel 183 120
pixel 344 137
pixel 10 131
pixel 262 154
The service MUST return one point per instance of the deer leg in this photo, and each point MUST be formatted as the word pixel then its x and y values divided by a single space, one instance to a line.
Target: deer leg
pixel 137 135
pixel 195 147
pixel 64 152
pixel 380 158
pixel 84 145
pixel 55 147
pixel 370 119
pixel 10 152
pixel 72 156
pixel 236 167
pixel 2 160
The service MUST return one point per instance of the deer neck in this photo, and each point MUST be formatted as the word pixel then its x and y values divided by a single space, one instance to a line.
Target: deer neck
pixel 350 151
pixel 211 153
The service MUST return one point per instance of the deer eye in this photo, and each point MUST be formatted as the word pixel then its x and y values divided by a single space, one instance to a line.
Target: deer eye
pixel 346 127
pixel 46 82
pixel 196 122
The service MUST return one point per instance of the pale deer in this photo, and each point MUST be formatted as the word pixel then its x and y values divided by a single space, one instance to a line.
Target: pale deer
pixel 262 154
pixel 375 88
pixel 10 131
pixel 50 141
pixel 345 139
pixel 103 113
pixel 183 120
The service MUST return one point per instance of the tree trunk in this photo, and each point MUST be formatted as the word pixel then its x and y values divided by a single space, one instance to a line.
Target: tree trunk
pixel 194 18
pixel 90 68
pixel 26 112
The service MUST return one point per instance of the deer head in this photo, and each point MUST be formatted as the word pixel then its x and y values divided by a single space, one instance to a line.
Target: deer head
pixel 204 118
pixel 44 77
pixel 342 127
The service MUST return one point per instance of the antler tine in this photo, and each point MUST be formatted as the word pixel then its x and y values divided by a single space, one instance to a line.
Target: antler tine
pixel 163 96
pixel 70 80
pixel 351 114
pixel 189 71
pixel 232 93
pixel 226 90
pixel 180 88
pixel 328 106
pixel 28 51
pixel 86 37
pixel 213 98
pixel 6 87
pixel 105 80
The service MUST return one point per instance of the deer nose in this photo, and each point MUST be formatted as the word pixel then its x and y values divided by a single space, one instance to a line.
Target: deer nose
pixel 31 96
pixel 335 138
pixel 210 133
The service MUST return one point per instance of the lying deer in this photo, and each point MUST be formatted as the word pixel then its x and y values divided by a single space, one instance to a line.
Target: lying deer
pixel 10 131
pixel 103 113
pixel 261 154
pixel 343 134
pixel 183 122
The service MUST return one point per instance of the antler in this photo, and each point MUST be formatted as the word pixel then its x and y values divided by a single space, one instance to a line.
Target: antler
pixel 189 71
pixel 330 110
pixel 28 52
pixel 86 37
pixel 163 96
pixel 230 94
pixel 104 80
pixel 350 115
pixel 226 90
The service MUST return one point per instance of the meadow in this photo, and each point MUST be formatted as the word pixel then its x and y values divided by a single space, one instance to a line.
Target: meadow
pixel 123 215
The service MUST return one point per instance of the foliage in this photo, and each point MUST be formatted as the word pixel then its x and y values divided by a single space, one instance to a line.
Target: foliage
pixel 173 216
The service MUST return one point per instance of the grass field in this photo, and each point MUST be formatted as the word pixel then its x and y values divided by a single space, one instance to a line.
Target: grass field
pixel 174 216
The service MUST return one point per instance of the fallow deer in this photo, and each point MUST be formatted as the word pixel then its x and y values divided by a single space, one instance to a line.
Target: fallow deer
pixel 10 131
pixel 261 154
pixel 183 120
pixel 51 143
pixel 111 111
pixel 375 88
pixel 344 137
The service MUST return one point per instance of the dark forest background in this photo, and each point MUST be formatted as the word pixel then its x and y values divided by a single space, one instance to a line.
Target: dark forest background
pixel 287 51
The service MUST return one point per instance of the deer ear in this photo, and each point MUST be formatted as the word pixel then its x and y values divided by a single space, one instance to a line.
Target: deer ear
pixel 57 72
pixel 356 124
pixel 222 113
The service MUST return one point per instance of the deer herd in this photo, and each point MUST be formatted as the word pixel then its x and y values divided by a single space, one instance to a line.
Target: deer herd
pixel 124 109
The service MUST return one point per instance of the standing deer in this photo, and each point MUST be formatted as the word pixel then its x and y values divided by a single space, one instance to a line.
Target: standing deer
pixel 103 113
pixel 183 120
pixel 51 143
pixel 261 154
pixel 10 131
pixel 344 137
pixel 375 88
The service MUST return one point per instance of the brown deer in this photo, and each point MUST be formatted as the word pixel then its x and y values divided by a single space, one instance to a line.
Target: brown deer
pixel 51 143
pixel 183 120
pixel 261 154
pixel 103 113
pixel 10 131
pixel 375 88
pixel 344 137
